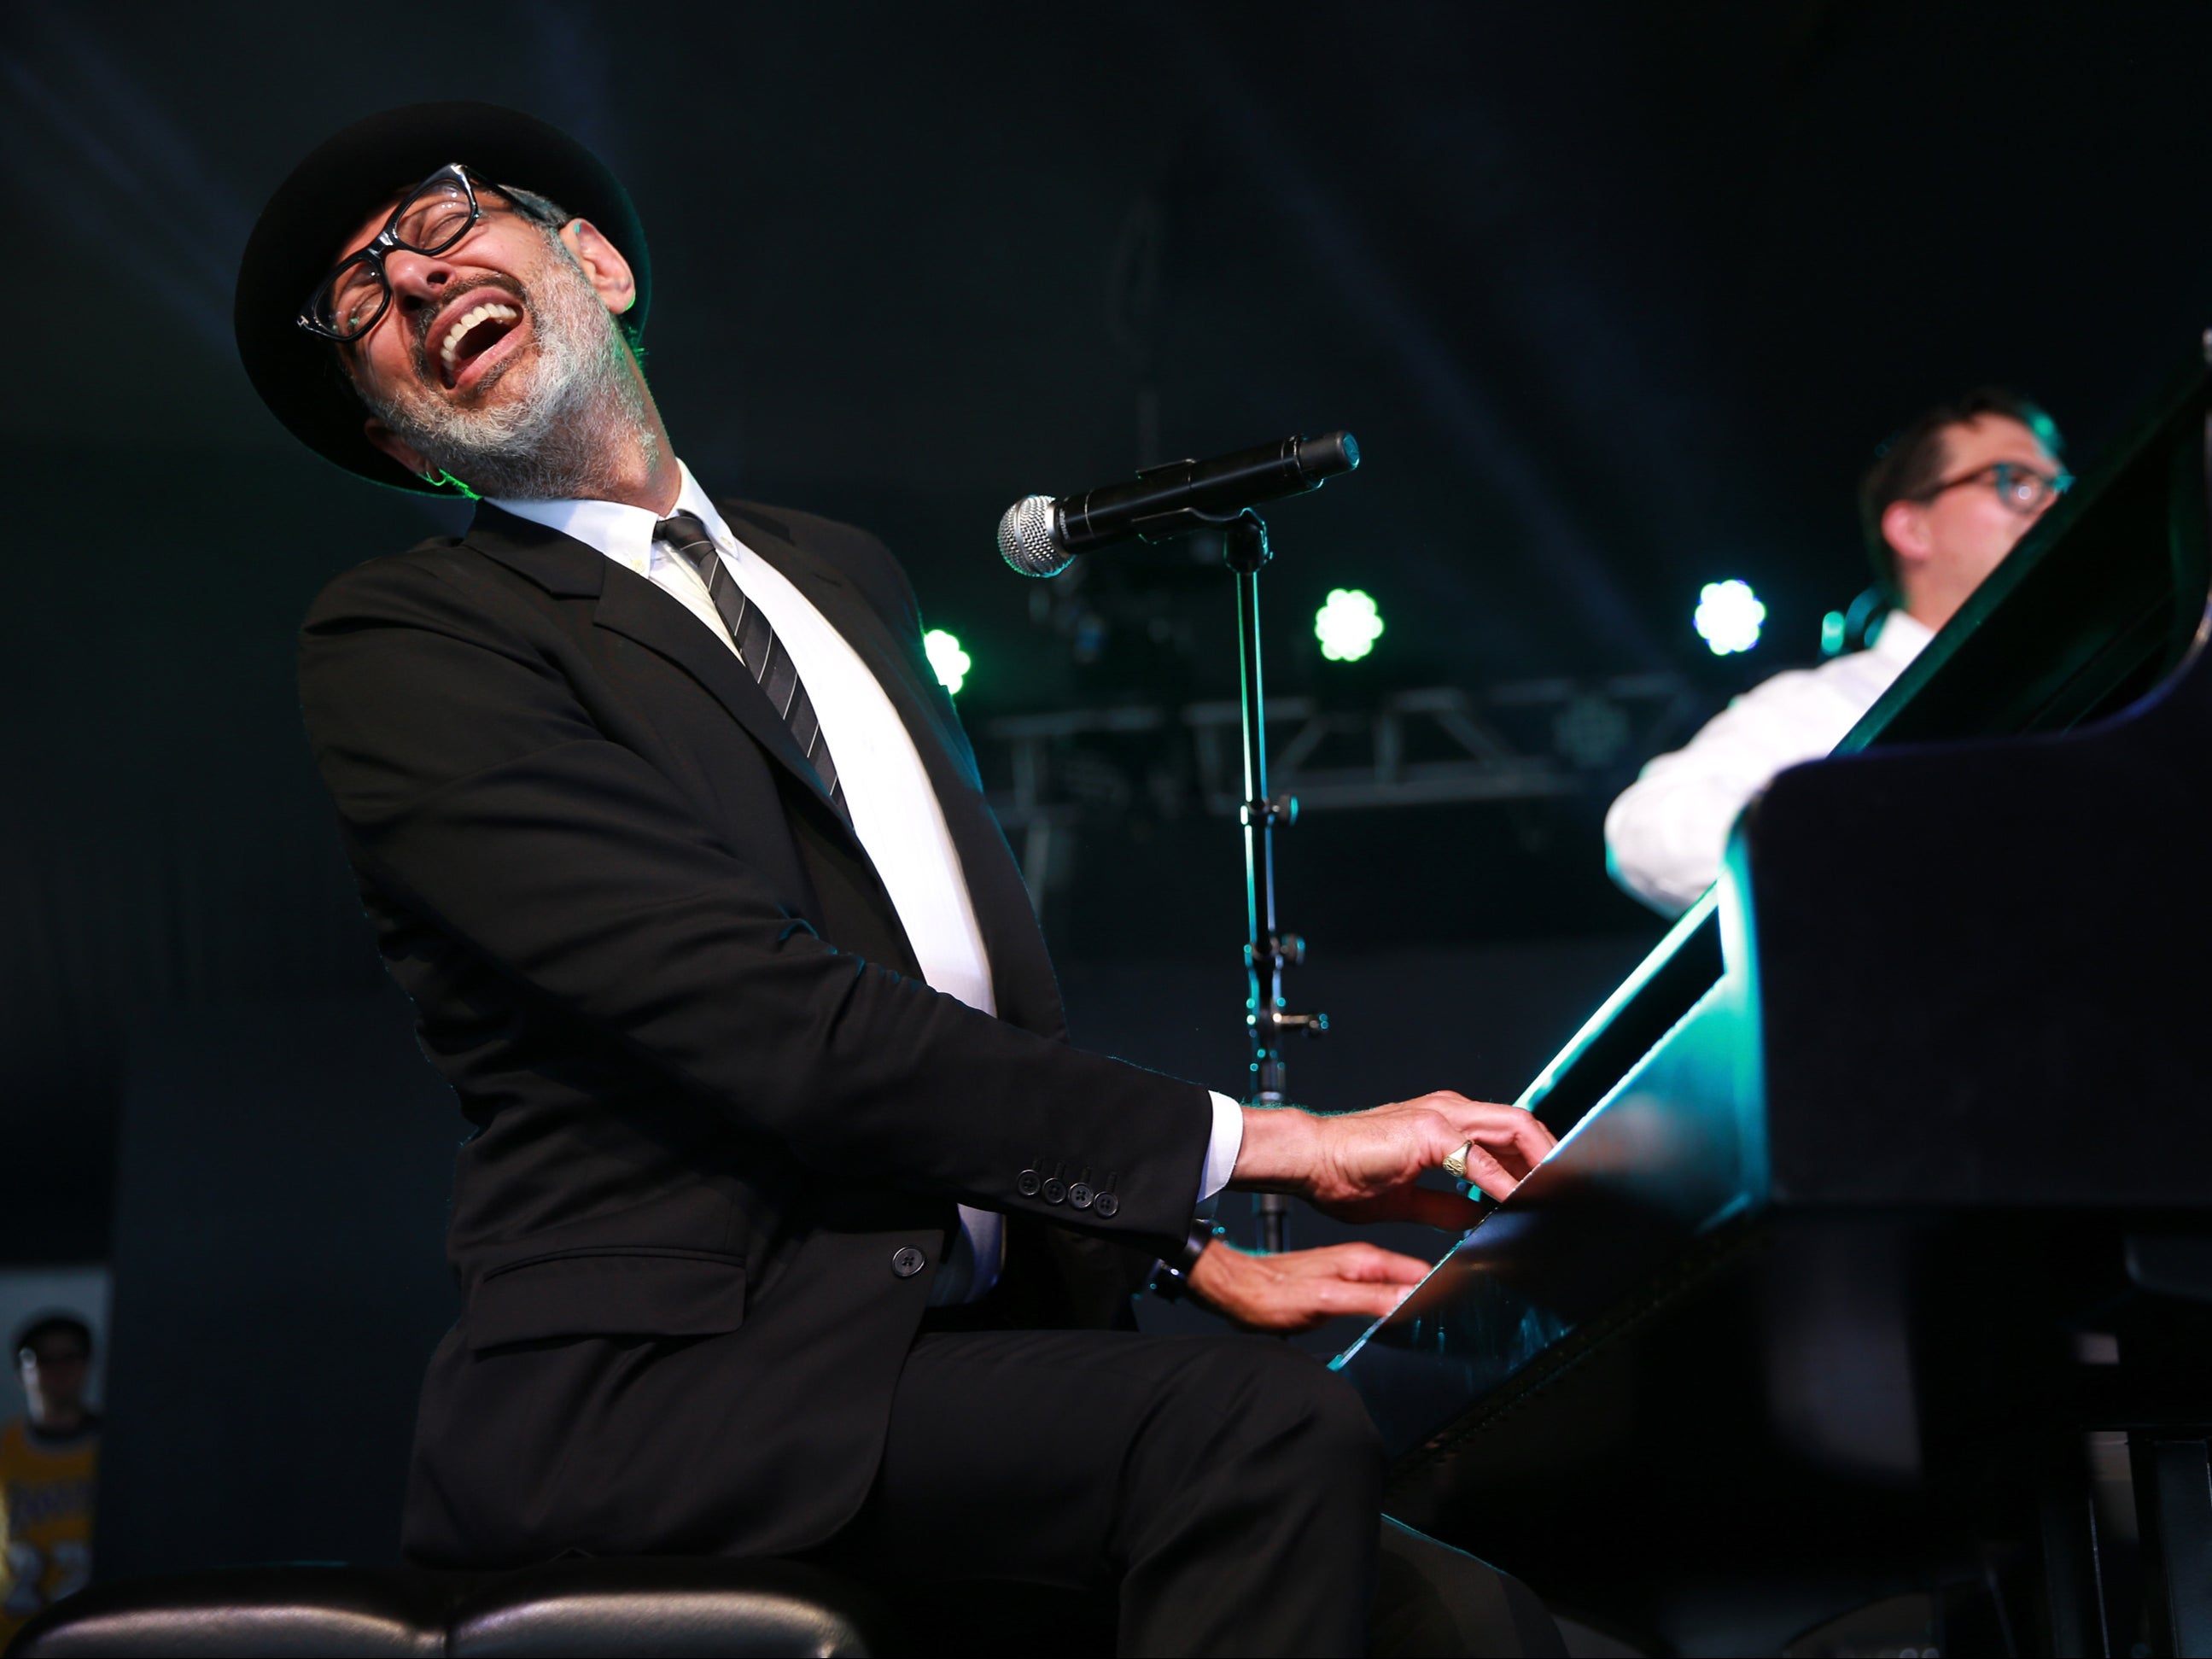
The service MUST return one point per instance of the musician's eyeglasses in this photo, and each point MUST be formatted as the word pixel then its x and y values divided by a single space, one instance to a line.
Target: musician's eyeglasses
pixel 434 217
pixel 2022 489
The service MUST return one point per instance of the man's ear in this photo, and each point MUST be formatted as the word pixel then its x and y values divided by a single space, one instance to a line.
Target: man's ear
pixel 1905 527
pixel 400 450
pixel 603 263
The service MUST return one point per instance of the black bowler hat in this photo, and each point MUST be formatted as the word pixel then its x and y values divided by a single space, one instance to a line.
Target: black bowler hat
pixel 328 195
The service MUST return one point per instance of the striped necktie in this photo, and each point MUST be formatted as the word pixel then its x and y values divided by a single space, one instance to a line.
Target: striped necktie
pixel 758 648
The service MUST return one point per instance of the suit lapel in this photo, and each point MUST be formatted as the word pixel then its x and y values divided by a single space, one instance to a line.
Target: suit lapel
pixel 1021 969
pixel 630 606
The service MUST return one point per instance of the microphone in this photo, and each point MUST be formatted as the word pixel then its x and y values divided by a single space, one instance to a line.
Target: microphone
pixel 1041 537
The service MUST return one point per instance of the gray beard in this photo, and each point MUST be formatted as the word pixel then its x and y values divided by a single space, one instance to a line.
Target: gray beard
pixel 582 415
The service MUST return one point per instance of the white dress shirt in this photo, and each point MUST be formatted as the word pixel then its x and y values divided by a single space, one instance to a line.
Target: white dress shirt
pixel 894 811
pixel 1665 836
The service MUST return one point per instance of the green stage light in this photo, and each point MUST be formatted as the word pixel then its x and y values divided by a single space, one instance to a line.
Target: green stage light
pixel 947 659
pixel 1348 625
pixel 1728 617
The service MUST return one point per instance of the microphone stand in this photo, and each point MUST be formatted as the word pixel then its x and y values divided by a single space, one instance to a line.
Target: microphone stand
pixel 1267 951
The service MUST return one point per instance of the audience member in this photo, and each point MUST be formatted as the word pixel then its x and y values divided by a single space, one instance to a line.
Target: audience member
pixel 49 1462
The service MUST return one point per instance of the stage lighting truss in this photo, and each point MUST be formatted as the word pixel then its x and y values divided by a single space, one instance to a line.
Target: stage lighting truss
pixel 1530 740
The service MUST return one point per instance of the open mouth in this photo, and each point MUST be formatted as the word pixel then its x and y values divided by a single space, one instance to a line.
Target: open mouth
pixel 472 334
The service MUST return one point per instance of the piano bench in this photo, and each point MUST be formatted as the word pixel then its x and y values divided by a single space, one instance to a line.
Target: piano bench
pixel 588 1606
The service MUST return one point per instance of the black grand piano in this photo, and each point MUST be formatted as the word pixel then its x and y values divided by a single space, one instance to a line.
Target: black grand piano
pixel 1872 1278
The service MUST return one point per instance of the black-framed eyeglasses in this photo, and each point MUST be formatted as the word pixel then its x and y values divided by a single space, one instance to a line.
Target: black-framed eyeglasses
pixel 435 215
pixel 2022 487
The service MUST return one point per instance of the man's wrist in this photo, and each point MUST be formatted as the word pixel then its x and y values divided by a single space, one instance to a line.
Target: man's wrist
pixel 1278 1150
pixel 1171 1275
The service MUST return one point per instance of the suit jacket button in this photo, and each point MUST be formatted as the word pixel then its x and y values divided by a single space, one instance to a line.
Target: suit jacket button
pixel 1027 1183
pixel 1055 1190
pixel 907 1262
pixel 1108 1206
pixel 1081 1195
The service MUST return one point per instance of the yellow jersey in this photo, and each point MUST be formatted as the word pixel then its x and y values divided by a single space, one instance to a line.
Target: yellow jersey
pixel 46 1484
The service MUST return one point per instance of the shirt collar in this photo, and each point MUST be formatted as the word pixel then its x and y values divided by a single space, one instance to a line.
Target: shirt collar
pixel 1903 637
pixel 623 533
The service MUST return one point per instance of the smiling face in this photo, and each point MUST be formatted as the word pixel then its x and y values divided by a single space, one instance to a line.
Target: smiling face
pixel 498 362
pixel 422 343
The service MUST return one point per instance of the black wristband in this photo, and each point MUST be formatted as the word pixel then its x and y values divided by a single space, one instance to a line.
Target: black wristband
pixel 1170 1278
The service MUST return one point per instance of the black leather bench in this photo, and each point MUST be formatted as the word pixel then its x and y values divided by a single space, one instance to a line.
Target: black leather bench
pixel 576 1607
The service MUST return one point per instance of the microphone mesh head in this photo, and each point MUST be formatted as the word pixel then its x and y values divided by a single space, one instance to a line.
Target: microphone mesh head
pixel 1026 539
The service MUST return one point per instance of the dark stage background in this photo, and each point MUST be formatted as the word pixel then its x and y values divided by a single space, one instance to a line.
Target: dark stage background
pixel 1617 297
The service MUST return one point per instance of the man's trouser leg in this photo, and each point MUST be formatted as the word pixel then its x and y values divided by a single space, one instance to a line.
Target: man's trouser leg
pixel 1230 1486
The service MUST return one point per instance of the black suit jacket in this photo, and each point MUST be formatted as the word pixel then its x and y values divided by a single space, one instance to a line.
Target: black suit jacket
pixel 715 1107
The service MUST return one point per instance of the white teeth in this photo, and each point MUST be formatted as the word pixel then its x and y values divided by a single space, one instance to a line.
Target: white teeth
pixel 477 314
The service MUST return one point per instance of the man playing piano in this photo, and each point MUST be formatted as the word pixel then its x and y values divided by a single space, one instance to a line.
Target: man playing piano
pixel 1944 501
pixel 791 1224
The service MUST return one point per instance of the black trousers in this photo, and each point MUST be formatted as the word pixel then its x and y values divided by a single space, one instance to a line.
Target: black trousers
pixel 1207 1495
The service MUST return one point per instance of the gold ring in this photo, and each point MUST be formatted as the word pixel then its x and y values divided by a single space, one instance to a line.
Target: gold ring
pixel 1455 1163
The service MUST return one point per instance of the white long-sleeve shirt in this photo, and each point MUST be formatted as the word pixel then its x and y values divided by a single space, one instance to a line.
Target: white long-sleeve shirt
pixel 1665 835
pixel 894 811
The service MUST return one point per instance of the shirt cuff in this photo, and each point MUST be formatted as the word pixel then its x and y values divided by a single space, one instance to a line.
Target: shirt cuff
pixel 1221 1149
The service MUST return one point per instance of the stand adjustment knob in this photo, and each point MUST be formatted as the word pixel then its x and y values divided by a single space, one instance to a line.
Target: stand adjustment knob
pixel 1286 950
